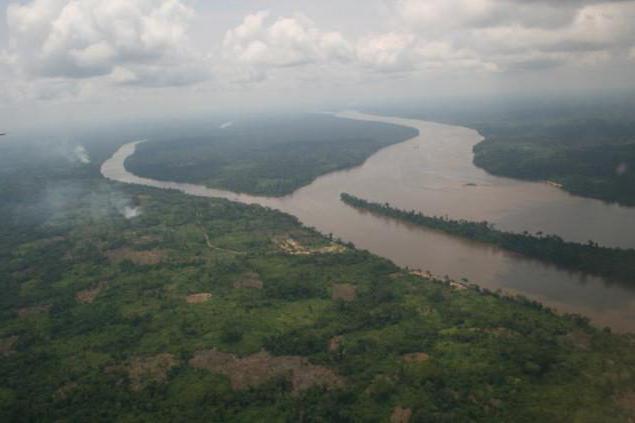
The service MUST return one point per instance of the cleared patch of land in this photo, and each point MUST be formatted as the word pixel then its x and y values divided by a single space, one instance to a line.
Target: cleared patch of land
pixel 335 343
pixel 626 401
pixel 344 292
pixel 199 298
pixel 295 248
pixel 88 296
pixel 108 362
pixel 143 371
pixel 261 367
pixel 417 357
pixel 400 415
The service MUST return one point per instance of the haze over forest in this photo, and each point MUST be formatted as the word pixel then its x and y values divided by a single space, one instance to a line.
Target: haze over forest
pixel 393 211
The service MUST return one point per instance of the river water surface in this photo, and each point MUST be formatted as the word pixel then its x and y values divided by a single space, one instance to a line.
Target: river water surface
pixel 433 173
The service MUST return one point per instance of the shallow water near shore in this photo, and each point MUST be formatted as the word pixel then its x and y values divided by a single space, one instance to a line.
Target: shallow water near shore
pixel 433 173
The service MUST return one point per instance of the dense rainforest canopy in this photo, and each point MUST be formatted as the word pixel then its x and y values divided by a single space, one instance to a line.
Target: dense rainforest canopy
pixel 202 309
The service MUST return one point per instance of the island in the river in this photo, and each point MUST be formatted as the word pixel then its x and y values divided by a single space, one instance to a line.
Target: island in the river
pixel 273 157
pixel 612 263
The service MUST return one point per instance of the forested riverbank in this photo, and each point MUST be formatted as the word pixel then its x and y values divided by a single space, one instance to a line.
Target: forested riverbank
pixel 602 171
pixel 202 309
pixel 587 147
pixel 612 263
pixel 266 157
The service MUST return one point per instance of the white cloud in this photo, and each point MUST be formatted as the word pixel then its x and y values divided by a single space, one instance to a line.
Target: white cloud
pixel 447 15
pixel 406 52
pixel 388 52
pixel 523 35
pixel 431 15
pixel 294 41
pixel 81 39
pixel 81 154
pixel 592 28
pixel 97 50
pixel 131 212
pixel 441 36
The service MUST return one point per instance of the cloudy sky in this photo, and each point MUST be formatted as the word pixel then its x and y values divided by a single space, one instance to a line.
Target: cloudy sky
pixel 93 58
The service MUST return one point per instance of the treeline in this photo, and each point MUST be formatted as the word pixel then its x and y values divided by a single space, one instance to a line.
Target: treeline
pixel 590 152
pixel 612 263
pixel 604 172
pixel 586 143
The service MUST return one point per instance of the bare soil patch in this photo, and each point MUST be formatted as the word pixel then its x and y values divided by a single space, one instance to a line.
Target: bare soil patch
pixel 25 312
pixel 626 401
pixel 331 249
pixel 458 285
pixel 400 415
pixel 143 371
pixel 307 376
pixel 293 247
pixel 7 344
pixel 199 298
pixel 257 368
pixel 137 257
pixel 344 292
pixel 249 280
pixel 421 274
pixel 88 296
pixel 417 357
pixel 335 343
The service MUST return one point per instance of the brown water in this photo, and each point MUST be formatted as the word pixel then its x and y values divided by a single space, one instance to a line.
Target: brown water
pixel 433 173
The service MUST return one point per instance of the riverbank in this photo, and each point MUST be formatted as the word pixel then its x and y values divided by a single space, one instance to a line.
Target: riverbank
pixel 205 308
pixel 603 171
pixel 429 173
pixel 270 158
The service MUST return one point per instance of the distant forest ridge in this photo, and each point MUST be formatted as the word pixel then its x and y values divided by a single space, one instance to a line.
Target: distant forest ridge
pixel 271 158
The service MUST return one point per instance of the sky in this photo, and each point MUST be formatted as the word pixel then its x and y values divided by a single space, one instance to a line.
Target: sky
pixel 84 60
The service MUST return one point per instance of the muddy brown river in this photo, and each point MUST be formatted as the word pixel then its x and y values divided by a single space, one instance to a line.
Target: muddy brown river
pixel 433 173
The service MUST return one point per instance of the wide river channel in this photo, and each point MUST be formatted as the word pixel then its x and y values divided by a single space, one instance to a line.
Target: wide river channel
pixel 433 173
